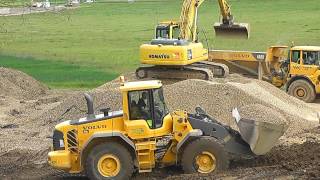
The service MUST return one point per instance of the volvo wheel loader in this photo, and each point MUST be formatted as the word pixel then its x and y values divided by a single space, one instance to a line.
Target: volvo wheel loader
pixel 176 53
pixel 145 135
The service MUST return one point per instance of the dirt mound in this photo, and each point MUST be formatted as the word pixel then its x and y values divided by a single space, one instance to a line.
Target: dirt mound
pixel 17 84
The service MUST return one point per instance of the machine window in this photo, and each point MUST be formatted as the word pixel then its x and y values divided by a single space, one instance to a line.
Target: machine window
pixel 311 57
pixel 162 33
pixel 160 108
pixel 295 56
pixel 139 106
pixel 176 32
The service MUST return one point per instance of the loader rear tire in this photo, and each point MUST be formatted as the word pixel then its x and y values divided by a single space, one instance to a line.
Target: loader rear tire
pixel 302 90
pixel 204 155
pixel 109 161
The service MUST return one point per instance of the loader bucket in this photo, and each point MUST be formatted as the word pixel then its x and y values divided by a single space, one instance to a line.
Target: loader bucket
pixel 261 136
pixel 236 30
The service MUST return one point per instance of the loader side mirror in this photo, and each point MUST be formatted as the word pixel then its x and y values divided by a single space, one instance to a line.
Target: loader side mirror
pixel 105 111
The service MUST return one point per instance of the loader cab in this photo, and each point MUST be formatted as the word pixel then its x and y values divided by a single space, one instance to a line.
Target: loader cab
pixel 146 112
pixel 148 105
pixel 167 30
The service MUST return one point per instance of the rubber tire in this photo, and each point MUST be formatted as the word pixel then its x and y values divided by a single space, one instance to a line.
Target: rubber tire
pixel 311 94
pixel 209 144
pixel 116 149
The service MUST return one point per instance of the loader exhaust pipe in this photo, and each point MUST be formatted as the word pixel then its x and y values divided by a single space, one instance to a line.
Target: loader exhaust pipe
pixel 234 30
pixel 90 113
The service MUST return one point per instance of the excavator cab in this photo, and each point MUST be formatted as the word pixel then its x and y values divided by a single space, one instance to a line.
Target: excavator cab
pixel 167 30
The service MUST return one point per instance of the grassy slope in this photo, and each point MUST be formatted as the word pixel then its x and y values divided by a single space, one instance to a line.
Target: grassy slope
pixel 106 36
pixel 59 74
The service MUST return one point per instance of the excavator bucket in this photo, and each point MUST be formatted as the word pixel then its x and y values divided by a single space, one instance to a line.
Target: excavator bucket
pixel 236 30
pixel 261 136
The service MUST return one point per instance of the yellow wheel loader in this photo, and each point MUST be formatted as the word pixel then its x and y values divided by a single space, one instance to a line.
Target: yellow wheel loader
pixel 176 53
pixel 145 135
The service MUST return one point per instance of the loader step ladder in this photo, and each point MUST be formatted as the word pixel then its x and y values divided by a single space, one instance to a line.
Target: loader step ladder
pixel 145 151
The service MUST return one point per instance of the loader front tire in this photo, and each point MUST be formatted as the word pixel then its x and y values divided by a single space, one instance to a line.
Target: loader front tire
pixel 109 161
pixel 302 90
pixel 204 155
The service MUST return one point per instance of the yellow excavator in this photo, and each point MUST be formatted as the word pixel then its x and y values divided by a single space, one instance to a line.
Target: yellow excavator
pixel 145 135
pixel 176 52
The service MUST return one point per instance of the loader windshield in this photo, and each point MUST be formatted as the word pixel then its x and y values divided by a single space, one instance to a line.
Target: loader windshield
pixel 160 108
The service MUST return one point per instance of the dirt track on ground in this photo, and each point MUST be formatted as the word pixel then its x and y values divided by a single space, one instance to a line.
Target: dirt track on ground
pixel 29 111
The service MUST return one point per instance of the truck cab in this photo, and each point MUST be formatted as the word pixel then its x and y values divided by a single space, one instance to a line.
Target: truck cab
pixel 304 72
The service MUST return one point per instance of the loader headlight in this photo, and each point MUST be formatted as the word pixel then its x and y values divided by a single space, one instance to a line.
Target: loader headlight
pixel 61 143
pixel 58 143
pixel 189 54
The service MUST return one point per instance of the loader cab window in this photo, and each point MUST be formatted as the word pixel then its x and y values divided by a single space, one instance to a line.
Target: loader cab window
pixel 160 108
pixel 163 32
pixel 140 106
pixel 295 57
pixel 310 58
pixel 148 105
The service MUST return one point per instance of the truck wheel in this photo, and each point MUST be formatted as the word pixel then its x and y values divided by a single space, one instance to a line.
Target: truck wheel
pixel 204 155
pixel 303 90
pixel 109 161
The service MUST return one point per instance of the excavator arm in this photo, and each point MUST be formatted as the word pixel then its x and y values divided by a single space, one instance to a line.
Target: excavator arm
pixel 189 18
pixel 228 28
pixel 225 11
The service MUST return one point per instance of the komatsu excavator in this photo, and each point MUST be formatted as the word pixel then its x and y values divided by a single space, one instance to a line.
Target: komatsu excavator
pixel 145 135
pixel 176 53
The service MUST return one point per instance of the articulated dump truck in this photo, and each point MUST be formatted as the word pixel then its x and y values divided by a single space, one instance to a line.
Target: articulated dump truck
pixel 144 135
pixel 296 69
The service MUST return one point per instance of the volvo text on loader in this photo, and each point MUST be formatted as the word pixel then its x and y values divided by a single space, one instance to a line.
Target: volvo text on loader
pixel 176 53
pixel 145 135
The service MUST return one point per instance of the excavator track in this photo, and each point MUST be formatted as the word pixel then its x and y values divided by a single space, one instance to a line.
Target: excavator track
pixel 204 70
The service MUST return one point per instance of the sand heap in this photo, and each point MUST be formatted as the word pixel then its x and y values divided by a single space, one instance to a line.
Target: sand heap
pixel 17 84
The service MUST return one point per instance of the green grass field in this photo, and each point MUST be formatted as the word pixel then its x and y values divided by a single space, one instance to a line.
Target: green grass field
pixel 105 37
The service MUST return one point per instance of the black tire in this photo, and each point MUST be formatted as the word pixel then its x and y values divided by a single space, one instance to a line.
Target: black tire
pixel 141 73
pixel 115 149
pixel 204 144
pixel 308 95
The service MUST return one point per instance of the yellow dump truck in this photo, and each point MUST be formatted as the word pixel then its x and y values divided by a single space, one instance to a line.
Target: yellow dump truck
pixel 296 69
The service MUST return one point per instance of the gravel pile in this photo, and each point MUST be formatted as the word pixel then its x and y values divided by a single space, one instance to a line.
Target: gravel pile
pixel 219 98
pixel 255 100
pixel 262 113
pixel 17 84
pixel 74 106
